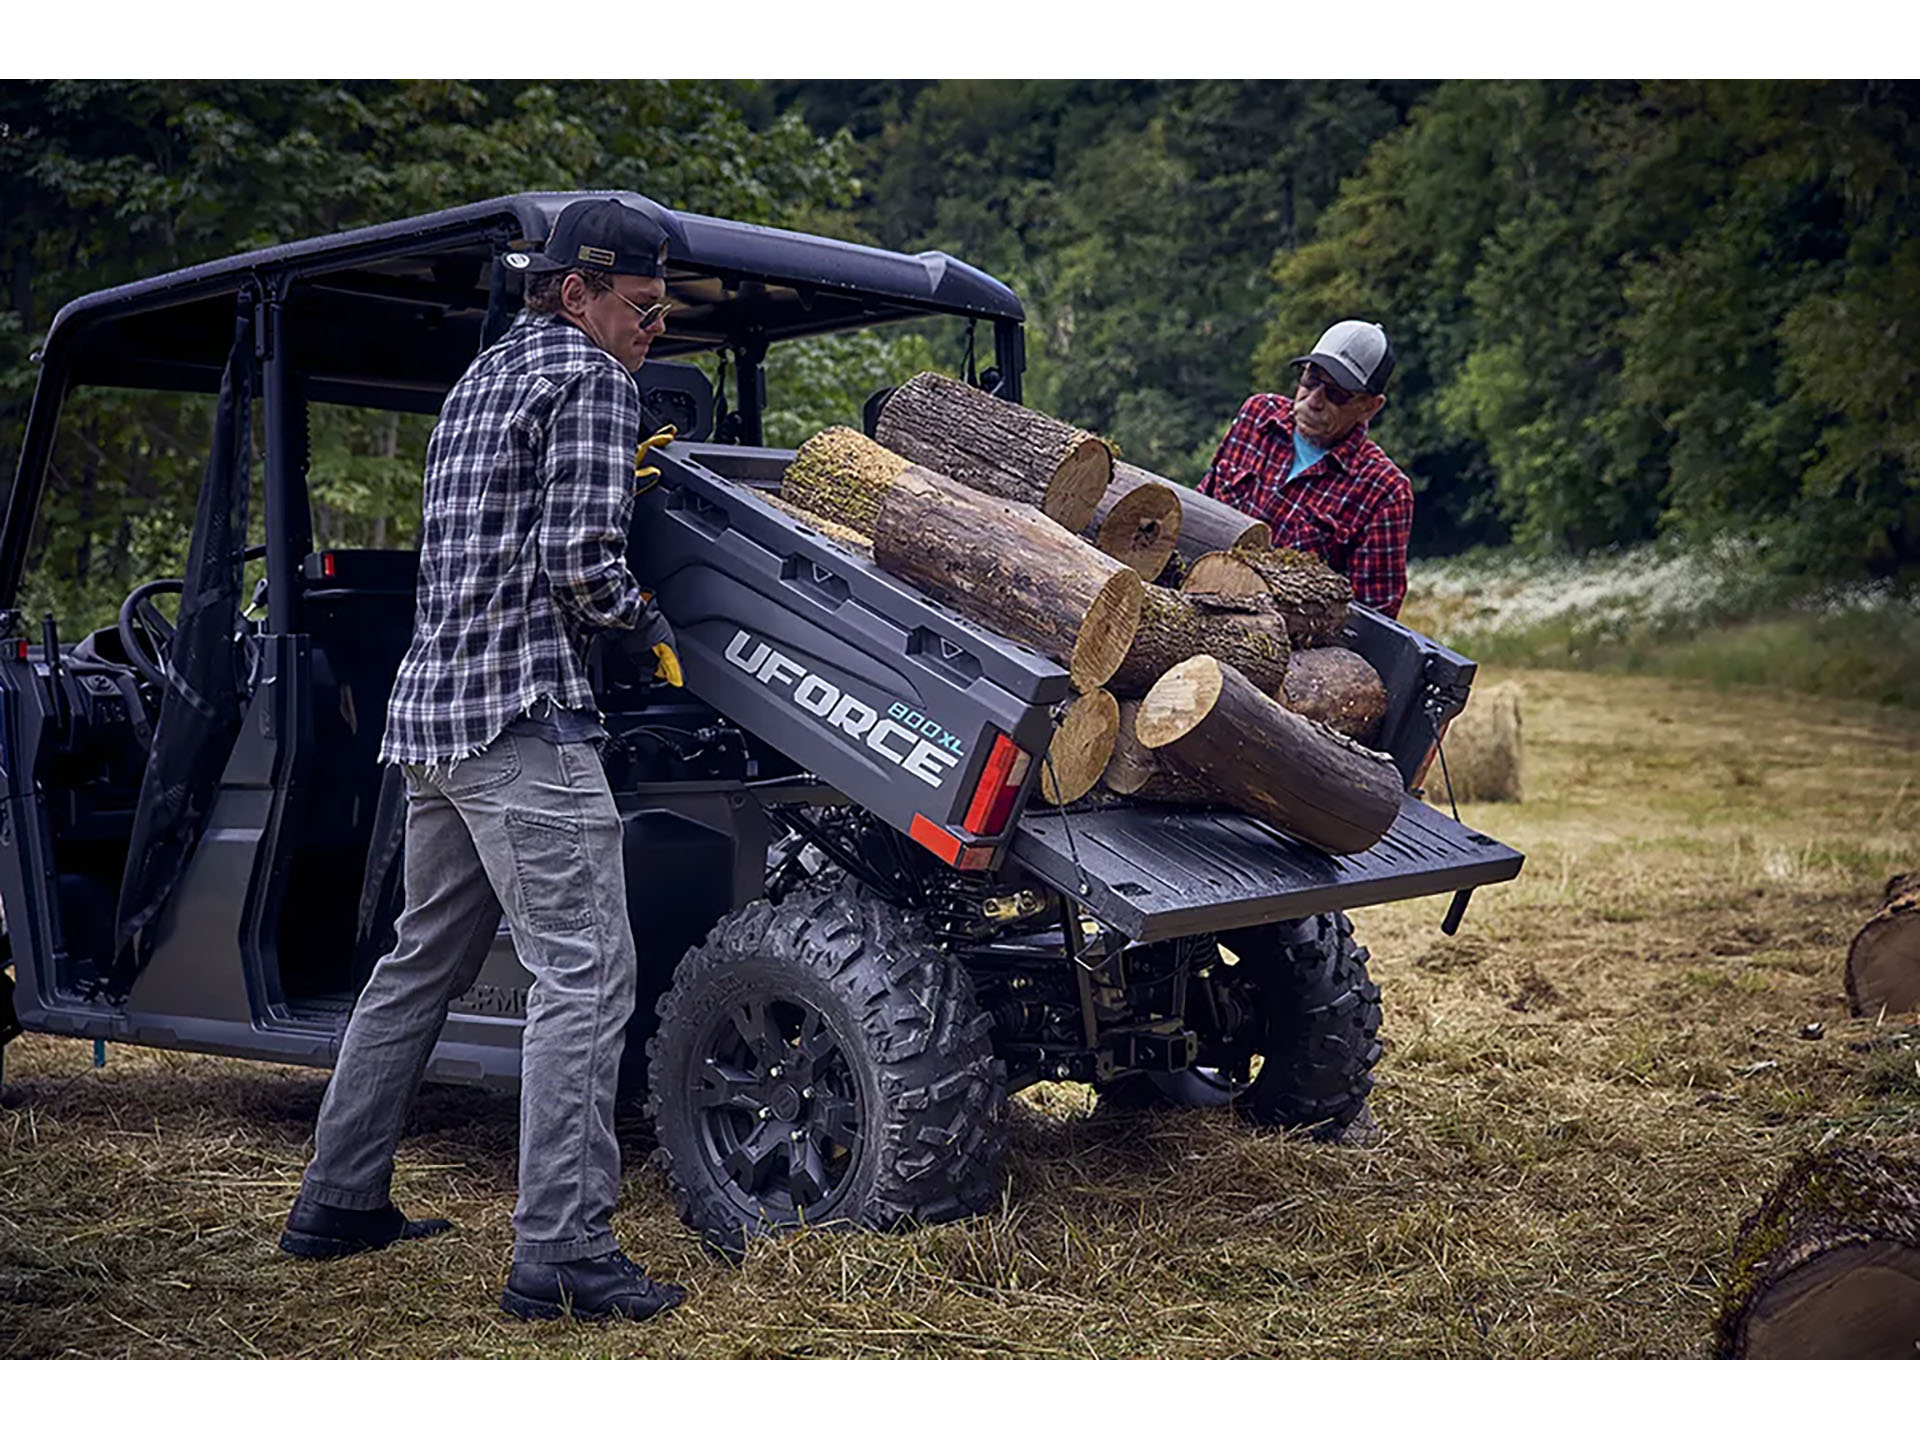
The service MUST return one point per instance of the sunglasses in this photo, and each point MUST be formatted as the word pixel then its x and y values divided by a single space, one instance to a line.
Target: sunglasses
pixel 649 315
pixel 1336 394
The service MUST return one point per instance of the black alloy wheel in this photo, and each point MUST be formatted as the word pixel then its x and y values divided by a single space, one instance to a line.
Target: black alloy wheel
pixel 778 1107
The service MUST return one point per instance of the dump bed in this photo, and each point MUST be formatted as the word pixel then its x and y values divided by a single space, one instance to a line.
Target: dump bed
pixel 896 701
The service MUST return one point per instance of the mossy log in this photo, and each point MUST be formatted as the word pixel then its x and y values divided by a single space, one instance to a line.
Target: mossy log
pixel 1336 687
pixel 1207 524
pixel 1137 772
pixel 1246 631
pixel 1883 963
pixel 1828 1268
pixel 1256 755
pixel 1082 746
pixel 842 476
pixel 996 446
pixel 1137 521
pixel 843 536
pixel 1313 598
pixel 1011 569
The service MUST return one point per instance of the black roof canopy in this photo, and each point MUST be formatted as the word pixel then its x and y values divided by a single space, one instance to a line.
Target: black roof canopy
pixel 401 306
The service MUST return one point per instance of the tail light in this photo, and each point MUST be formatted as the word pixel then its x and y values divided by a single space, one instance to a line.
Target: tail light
pixel 998 787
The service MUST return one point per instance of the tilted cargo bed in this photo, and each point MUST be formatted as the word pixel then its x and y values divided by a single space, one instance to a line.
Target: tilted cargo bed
pixel 815 650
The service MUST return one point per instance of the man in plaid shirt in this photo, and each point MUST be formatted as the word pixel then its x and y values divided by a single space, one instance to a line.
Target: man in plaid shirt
pixel 529 493
pixel 1308 468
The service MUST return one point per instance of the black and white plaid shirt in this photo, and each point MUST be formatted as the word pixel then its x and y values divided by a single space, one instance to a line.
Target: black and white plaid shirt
pixel 529 492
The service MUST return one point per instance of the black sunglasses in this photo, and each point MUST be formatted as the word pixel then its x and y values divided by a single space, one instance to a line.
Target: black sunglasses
pixel 1313 375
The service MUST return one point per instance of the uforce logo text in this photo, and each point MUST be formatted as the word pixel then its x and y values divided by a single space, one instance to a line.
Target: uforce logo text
pixel 924 748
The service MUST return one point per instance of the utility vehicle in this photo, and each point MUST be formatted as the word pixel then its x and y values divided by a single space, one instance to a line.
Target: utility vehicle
pixel 858 934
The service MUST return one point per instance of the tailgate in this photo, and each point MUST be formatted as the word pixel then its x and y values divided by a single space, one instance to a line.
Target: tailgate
pixel 1155 872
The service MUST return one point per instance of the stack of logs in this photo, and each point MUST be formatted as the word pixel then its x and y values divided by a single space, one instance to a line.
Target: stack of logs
pixel 1205 666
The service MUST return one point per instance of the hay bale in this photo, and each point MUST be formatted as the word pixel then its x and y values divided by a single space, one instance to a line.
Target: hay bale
pixel 1482 750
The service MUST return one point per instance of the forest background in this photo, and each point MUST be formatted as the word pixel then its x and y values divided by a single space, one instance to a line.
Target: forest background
pixel 1669 314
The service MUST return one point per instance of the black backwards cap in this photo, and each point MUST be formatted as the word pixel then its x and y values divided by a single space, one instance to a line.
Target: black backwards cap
pixel 597 235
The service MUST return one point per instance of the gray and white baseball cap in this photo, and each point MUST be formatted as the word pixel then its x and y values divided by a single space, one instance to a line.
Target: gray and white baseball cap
pixel 1356 354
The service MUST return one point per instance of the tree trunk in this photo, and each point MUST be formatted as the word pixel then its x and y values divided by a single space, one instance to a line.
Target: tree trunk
pixel 1883 963
pixel 1336 687
pixel 1828 1268
pixel 1137 772
pixel 1137 522
pixel 1245 631
pixel 1258 756
pixel 1082 746
pixel 842 476
pixel 999 447
pixel 1207 524
pixel 1011 569
pixel 1313 598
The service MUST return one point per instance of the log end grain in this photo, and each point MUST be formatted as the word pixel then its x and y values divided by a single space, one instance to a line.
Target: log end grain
pixel 1883 962
pixel 1106 634
pixel 1180 700
pixel 1073 494
pixel 1081 749
pixel 1223 573
pixel 1140 529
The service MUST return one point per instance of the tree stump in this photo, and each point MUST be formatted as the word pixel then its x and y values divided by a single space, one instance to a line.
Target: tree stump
pixel 1828 1268
pixel 1137 772
pixel 1011 569
pixel 1336 687
pixel 1259 757
pixel 1313 598
pixel 1883 963
pixel 1082 746
pixel 1245 631
pixel 842 476
pixel 996 446
pixel 1137 522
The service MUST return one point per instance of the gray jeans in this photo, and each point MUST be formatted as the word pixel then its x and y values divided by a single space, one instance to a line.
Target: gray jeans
pixel 528 828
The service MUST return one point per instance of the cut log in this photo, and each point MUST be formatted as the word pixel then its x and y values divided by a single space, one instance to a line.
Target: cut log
pixel 842 476
pixel 1336 687
pixel 1137 522
pixel 1828 1268
pixel 1313 598
pixel 1259 757
pixel 1883 963
pixel 1206 524
pixel 1082 746
pixel 1011 569
pixel 1245 631
pixel 999 447
pixel 841 535
pixel 1138 772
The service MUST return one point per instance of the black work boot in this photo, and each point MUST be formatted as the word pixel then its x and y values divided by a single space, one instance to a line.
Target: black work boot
pixel 596 1289
pixel 330 1232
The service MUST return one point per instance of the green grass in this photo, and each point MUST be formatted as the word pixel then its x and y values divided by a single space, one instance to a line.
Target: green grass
pixel 1689 615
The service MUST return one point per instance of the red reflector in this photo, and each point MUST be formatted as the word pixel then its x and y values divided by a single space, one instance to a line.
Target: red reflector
pixel 998 787
pixel 326 565
pixel 20 650
pixel 946 846
pixel 976 857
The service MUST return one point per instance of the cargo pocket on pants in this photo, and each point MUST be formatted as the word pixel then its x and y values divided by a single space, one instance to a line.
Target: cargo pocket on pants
pixel 550 861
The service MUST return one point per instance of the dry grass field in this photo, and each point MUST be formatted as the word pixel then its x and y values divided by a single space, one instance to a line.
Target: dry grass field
pixel 1582 1094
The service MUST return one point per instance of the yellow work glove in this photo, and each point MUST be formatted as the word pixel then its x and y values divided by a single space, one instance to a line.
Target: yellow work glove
pixel 665 435
pixel 654 637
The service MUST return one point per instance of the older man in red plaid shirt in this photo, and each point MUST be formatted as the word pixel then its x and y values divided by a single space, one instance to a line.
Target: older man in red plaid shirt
pixel 1307 467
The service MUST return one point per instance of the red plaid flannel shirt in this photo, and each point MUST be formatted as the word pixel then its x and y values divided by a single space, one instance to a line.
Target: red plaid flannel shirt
pixel 1353 507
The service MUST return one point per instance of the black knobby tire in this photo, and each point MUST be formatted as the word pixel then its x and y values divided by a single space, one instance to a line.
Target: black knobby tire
pixel 1317 1034
pixel 821 1061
